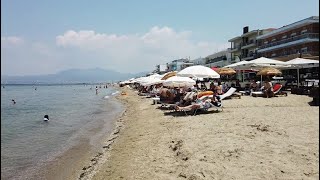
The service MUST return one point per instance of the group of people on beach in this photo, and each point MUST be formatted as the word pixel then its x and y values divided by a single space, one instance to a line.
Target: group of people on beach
pixel 195 97
pixel 190 97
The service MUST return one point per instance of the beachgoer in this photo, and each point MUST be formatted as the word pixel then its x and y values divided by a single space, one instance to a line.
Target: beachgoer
pixel 218 88
pixel 267 88
pixel 212 86
pixel 253 86
pixel 14 102
pixel 201 103
pixel 96 89
pixel 46 118
pixel 238 85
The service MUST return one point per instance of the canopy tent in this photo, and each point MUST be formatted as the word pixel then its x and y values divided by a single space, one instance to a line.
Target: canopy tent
pixel 198 71
pixel 176 81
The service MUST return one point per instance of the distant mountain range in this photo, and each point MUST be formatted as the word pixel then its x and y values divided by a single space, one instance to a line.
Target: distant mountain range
pixel 72 76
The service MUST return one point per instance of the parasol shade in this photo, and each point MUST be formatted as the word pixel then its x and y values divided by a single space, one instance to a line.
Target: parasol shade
pixel 169 74
pixel 269 71
pixel 226 71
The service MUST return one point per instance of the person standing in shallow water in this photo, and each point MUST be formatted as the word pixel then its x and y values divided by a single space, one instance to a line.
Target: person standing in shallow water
pixel 96 89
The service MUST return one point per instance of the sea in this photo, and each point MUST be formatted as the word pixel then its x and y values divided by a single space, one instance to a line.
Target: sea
pixel 78 117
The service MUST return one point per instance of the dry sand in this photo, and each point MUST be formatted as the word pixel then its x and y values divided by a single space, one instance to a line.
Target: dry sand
pixel 252 138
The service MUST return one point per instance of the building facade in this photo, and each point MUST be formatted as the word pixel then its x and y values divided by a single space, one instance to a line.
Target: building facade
pixel 218 59
pixel 299 39
pixel 179 64
pixel 244 47
pixel 199 61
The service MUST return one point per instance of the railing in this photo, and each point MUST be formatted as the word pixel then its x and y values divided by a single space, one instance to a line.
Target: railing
pixel 236 48
pixel 249 43
pixel 315 53
pixel 295 38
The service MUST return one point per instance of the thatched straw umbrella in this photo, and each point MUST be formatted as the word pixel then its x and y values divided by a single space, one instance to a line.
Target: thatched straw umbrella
pixel 269 71
pixel 169 74
pixel 226 71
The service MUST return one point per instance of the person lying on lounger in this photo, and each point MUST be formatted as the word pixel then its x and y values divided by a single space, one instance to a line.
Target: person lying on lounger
pixel 204 103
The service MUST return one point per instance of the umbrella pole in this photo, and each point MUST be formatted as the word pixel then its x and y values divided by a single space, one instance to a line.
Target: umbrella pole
pixel 298 76
pixel 242 75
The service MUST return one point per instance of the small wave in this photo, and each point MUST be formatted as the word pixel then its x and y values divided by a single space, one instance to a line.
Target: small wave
pixel 115 93
pixel 106 97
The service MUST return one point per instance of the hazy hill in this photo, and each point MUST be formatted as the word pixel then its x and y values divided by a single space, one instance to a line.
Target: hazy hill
pixel 72 76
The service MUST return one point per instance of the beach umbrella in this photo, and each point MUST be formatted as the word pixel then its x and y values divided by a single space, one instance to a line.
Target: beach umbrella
pixel 226 71
pixel 241 65
pixel 269 71
pixel 152 81
pixel 299 63
pixel 262 62
pixel 198 71
pixel 303 63
pixel 177 81
pixel 168 75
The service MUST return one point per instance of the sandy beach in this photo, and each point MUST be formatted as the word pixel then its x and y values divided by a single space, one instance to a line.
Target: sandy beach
pixel 252 138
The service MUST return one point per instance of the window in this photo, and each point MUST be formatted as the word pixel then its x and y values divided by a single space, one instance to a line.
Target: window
pixel 266 42
pixel 285 36
pixel 273 54
pixel 274 39
pixel 293 34
pixel 304 50
pixel 284 53
pixel 304 31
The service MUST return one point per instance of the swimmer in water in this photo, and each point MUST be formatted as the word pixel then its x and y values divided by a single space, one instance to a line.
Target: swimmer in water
pixel 46 118
pixel 14 102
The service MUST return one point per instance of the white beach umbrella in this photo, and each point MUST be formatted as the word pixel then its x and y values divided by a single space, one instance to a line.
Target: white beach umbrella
pixel 177 81
pixel 299 63
pixel 303 63
pixel 241 65
pixel 198 72
pixel 152 81
pixel 267 62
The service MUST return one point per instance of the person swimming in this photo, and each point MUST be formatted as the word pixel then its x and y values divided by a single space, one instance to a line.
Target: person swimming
pixel 46 118
pixel 14 102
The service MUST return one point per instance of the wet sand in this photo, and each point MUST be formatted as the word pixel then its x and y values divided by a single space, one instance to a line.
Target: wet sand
pixel 252 138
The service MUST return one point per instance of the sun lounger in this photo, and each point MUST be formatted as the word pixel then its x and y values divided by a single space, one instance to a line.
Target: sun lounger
pixel 217 105
pixel 276 91
pixel 229 93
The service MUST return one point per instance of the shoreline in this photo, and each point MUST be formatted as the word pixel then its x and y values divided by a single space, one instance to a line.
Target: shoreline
pixel 255 138
pixel 89 170
pixel 70 163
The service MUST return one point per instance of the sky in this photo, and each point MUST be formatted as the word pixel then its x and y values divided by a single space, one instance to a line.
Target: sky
pixel 129 36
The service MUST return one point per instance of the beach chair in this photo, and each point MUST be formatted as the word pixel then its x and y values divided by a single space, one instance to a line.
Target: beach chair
pixel 229 94
pixel 276 91
pixel 217 105
pixel 257 94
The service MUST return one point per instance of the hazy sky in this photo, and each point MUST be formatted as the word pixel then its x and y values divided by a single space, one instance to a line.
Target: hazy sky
pixel 47 36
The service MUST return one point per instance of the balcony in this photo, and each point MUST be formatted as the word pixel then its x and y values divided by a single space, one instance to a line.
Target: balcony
pixel 290 41
pixel 249 44
pixel 234 49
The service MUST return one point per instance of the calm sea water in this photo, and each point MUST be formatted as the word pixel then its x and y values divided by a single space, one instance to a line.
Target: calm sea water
pixel 75 112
